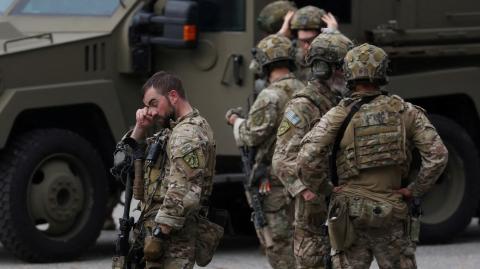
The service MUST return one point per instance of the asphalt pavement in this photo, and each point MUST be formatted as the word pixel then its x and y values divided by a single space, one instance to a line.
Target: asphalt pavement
pixel 243 253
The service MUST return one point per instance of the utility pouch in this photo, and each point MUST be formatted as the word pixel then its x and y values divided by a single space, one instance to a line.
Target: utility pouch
pixel 138 184
pixel 209 235
pixel 152 249
pixel 413 228
pixel 370 213
pixel 340 228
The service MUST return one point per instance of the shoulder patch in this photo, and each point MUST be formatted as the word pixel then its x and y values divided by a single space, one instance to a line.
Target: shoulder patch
pixel 258 117
pixel 283 128
pixel 192 159
pixel 292 117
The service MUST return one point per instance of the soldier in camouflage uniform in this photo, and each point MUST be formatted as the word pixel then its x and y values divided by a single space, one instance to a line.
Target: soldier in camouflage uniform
pixel 276 56
pixel 171 204
pixel 303 26
pixel 307 106
pixel 368 214
pixel 270 20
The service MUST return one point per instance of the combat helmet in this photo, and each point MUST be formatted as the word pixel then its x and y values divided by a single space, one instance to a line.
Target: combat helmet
pixel 274 48
pixel 308 18
pixel 366 63
pixel 326 53
pixel 271 16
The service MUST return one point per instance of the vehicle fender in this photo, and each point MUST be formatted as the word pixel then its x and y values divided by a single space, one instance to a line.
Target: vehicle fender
pixel 98 92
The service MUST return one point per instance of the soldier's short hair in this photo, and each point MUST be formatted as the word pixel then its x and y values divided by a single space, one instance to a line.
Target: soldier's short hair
pixel 164 82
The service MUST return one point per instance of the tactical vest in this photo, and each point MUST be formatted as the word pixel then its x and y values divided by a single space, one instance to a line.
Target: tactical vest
pixel 155 181
pixel 379 137
pixel 153 173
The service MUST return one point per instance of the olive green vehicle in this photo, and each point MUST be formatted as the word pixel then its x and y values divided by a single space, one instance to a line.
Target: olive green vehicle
pixel 70 79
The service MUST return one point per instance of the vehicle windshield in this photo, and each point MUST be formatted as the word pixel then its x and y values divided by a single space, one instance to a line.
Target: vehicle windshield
pixel 4 4
pixel 65 7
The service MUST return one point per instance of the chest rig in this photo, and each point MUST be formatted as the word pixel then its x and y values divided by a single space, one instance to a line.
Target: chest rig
pixel 156 166
pixel 379 137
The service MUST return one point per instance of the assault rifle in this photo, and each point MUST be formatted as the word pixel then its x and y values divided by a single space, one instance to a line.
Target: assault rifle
pixel 251 183
pixel 126 154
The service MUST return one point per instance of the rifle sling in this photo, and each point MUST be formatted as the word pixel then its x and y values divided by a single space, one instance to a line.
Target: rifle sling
pixel 341 133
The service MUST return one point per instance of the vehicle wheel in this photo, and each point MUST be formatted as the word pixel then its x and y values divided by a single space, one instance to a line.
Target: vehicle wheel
pixel 53 188
pixel 452 202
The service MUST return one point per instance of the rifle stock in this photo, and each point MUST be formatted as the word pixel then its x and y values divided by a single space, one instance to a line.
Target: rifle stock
pixel 122 245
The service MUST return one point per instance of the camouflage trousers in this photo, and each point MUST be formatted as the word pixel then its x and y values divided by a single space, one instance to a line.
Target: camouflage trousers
pixel 310 242
pixel 390 245
pixel 279 218
pixel 178 250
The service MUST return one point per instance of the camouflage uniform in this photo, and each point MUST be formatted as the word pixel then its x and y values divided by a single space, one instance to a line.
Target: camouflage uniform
pixel 306 106
pixel 306 18
pixel 302 112
pixel 177 199
pixel 373 158
pixel 258 131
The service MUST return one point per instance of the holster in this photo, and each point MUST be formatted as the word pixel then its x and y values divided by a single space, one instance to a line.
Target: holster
pixel 340 227
pixel 209 235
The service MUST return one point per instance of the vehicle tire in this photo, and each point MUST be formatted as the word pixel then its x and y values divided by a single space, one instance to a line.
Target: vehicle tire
pixel 452 202
pixel 53 188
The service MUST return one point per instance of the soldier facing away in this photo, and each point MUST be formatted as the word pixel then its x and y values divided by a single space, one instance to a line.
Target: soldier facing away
pixel 369 213
pixel 325 58
pixel 175 193
pixel 275 54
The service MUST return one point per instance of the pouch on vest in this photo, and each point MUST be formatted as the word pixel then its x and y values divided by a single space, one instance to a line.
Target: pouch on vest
pixel 208 238
pixel 370 213
pixel 153 249
pixel 340 228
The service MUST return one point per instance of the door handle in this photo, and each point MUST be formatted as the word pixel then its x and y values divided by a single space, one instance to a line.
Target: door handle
pixel 237 61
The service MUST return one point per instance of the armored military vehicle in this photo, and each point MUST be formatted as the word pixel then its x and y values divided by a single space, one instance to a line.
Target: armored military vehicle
pixel 71 70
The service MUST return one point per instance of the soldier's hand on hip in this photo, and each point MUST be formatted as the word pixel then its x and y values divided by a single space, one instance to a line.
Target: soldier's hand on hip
pixel 405 192
pixel 308 195
pixel 165 229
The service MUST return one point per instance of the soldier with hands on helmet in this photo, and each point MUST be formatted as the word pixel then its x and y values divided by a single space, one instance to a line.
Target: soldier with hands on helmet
pixel 303 26
pixel 307 106
pixel 176 186
pixel 275 54
pixel 371 136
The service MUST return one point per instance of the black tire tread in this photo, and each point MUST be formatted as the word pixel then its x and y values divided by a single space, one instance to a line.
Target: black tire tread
pixel 9 159
pixel 449 229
